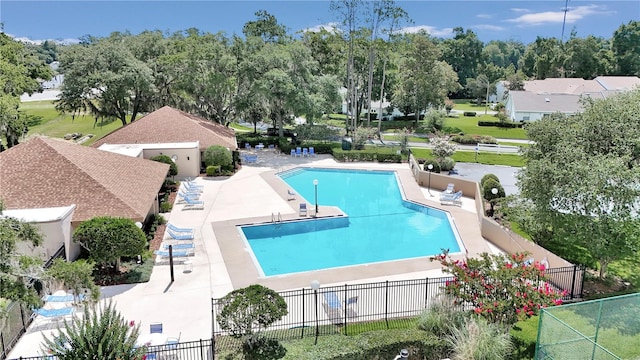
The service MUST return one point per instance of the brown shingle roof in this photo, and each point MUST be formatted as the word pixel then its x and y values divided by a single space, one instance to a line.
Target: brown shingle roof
pixel 168 125
pixel 45 172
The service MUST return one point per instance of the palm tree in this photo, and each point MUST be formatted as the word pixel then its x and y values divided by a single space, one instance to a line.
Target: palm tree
pixel 101 334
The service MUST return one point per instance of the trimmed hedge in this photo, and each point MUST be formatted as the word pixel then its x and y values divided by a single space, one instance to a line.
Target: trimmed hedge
pixel 469 113
pixel 501 124
pixel 370 155
pixel 473 139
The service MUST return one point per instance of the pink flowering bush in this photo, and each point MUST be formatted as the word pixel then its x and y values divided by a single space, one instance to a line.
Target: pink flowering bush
pixel 503 289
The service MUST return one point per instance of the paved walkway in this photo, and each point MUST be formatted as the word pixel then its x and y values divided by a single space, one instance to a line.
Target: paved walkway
pixel 184 305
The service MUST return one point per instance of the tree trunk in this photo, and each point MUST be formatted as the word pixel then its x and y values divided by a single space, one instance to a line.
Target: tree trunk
pixel 603 268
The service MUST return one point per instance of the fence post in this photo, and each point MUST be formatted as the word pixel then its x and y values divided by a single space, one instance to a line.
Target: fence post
pixel 4 350
pixel 573 281
pixel 345 309
pixel 201 351
pixel 213 318
pixel 426 292
pixel 304 300
pixel 386 303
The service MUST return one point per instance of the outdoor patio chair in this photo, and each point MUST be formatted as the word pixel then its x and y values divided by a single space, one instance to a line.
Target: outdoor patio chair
pixel 351 304
pixel 451 199
pixel 332 300
pixel 179 236
pixel 176 253
pixel 155 328
pixel 247 146
pixel 193 204
pixel 449 188
pixel 305 152
pixel 179 229
pixel 53 314
pixel 63 298
pixel 191 188
pixel 303 209
pixel 172 342
pixel 312 151
pixel 293 152
pixel 291 195
pixel 183 246
pixel 182 196
pixel 298 152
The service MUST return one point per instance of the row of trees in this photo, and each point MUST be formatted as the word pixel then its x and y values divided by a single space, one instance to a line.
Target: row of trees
pixel 270 74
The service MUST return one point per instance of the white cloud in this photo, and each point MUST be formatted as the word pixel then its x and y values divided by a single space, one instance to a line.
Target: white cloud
pixel 489 27
pixel 26 40
pixel 484 16
pixel 520 10
pixel 444 32
pixel 331 27
pixel 573 15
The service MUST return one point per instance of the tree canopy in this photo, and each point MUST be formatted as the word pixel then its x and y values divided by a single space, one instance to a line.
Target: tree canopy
pixel 581 178
pixel 107 239
pixel 20 72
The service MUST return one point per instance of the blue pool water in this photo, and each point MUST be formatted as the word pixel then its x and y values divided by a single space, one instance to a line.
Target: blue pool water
pixel 380 226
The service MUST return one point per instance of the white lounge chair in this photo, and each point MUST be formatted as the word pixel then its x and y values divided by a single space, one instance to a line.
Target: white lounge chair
pixel 191 204
pixel 449 189
pixel 291 195
pixel 451 199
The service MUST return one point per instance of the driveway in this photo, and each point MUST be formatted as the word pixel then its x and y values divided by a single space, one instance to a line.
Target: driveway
pixel 506 174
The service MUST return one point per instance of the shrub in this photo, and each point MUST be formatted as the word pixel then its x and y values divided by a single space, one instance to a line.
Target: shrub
pixel 502 289
pixel 165 207
pixel 447 164
pixel 502 124
pixel 474 139
pixel 490 184
pixel 469 113
pixel 212 170
pixel 478 339
pixel 487 177
pixel 173 168
pixel 451 130
pixel 434 162
pixel 101 333
pixel 218 155
pixel 371 154
pixel 441 147
pixel 441 318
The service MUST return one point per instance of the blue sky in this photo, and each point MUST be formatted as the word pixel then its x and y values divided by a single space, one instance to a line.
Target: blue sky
pixel 491 20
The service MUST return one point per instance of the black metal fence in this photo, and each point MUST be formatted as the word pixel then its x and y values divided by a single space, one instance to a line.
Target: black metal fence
pixel 191 350
pixel 352 309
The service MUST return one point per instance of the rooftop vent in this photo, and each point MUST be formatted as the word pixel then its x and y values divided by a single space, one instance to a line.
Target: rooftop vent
pixel 547 100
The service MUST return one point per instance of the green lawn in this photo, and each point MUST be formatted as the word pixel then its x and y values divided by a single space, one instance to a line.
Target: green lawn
pixel 469 125
pixel 53 124
pixel 470 157
pixel 467 105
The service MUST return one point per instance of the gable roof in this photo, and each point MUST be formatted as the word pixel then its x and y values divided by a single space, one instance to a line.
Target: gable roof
pixel 45 172
pixel 168 125
pixel 618 83
pixel 526 101
pixel 575 86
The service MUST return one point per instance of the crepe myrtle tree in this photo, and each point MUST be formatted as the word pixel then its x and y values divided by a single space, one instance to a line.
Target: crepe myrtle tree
pixel 500 288
pixel 107 239
pixel 245 312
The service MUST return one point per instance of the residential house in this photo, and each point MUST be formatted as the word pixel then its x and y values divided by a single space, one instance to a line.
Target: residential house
pixel 43 176
pixel 167 131
pixel 543 97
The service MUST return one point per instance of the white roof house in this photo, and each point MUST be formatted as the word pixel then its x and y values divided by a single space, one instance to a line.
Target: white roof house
pixel 551 95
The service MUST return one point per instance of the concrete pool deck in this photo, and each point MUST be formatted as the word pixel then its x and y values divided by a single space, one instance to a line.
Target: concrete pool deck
pixel 221 264
pixel 244 272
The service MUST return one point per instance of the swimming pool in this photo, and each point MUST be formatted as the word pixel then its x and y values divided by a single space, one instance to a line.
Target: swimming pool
pixel 380 225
